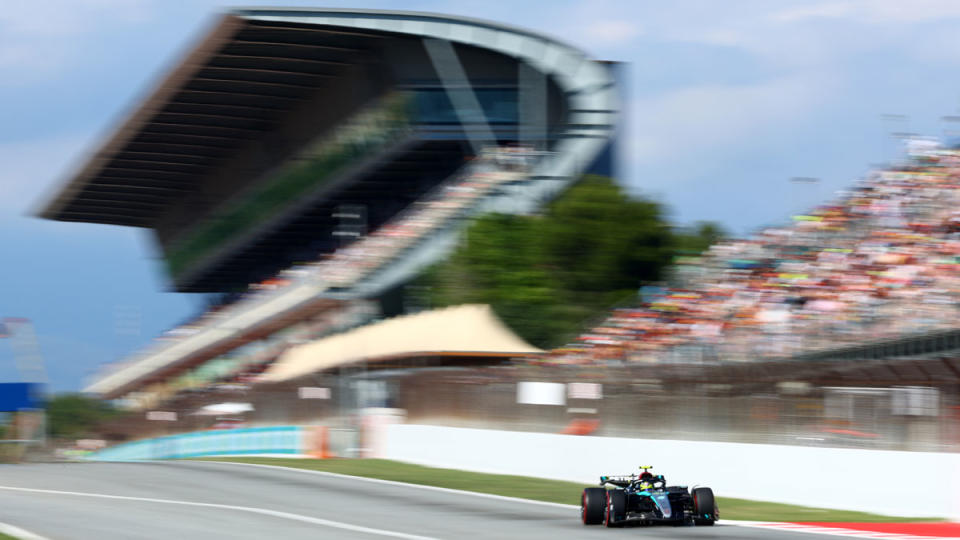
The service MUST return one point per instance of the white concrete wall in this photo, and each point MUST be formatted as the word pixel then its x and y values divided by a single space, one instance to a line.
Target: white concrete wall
pixel 884 482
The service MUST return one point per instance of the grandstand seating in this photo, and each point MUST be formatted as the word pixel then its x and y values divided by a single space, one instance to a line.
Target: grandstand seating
pixel 445 204
pixel 880 262
pixel 441 208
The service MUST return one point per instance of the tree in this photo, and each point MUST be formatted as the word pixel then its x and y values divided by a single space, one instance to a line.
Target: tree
pixel 546 275
pixel 75 415
pixel 598 239
pixel 699 238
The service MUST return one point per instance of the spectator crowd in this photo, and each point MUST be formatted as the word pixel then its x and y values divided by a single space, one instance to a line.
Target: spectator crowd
pixel 879 262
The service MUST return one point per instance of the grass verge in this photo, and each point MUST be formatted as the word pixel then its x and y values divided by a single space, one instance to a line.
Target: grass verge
pixel 558 491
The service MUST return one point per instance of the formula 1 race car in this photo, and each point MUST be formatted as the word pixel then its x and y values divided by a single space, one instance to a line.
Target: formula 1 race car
pixel 646 499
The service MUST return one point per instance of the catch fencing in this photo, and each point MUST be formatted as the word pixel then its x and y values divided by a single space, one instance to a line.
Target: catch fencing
pixel 600 401
pixel 890 418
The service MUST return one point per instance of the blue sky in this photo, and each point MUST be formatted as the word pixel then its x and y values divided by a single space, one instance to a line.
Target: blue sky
pixel 726 102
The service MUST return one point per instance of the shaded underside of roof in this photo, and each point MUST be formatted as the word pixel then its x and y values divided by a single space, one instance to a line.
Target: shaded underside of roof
pixel 236 85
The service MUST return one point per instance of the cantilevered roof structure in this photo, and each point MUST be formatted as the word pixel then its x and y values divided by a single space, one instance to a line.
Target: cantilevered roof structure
pixel 237 85
pixel 264 84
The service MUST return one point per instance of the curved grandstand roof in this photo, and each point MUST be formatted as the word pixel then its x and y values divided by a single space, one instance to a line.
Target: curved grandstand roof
pixel 462 330
pixel 252 69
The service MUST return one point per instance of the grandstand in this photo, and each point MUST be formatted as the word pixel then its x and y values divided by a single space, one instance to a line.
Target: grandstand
pixel 869 276
pixel 305 164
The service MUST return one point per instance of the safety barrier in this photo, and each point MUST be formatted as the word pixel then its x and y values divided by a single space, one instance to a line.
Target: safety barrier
pixel 244 441
pixel 921 484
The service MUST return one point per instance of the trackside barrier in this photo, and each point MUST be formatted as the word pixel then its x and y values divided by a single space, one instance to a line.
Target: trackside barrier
pixel 918 484
pixel 244 441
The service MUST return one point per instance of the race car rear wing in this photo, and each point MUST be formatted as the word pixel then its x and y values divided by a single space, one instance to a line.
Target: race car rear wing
pixel 619 481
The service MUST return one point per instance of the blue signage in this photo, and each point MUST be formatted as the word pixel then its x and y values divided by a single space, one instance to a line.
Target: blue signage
pixel 19 396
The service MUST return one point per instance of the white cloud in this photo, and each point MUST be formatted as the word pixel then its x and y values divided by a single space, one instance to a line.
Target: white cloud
pixel 873 11
pixel 803 35
pixel 814 11
pixel 759 33
pixel 611 32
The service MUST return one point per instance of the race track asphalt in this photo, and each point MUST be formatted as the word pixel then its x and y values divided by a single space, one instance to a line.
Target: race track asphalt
pixel 205 500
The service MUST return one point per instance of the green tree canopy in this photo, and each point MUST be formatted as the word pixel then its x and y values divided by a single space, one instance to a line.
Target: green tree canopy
pixel 546 275
pixel 75 415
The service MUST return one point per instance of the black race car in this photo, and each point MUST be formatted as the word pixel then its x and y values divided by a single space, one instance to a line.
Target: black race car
pixel 646 499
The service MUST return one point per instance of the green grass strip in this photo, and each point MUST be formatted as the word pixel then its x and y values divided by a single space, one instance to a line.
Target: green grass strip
pixel 557 491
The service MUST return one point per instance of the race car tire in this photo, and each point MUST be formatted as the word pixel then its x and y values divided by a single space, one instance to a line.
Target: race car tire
pixel 704 506
pixel 616 508
pixel 592 504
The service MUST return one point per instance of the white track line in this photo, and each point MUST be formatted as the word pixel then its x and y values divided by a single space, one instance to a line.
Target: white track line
pixel 263 511
pixel 17 532
pixel 396 483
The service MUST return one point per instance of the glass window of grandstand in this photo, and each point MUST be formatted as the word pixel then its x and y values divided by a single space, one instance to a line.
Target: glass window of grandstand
pixel 499 106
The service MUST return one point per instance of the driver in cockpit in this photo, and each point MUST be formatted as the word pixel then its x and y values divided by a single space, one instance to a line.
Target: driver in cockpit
pixel 646 479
